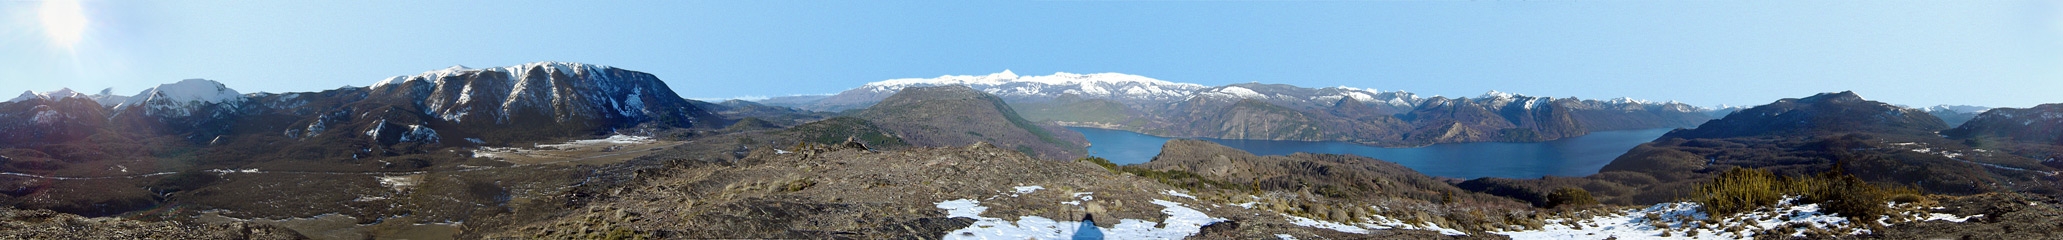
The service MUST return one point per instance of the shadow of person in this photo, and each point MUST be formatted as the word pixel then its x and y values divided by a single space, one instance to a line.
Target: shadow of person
pixel 1088 231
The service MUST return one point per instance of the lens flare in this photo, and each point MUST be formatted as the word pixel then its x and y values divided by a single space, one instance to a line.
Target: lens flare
pixel 64 21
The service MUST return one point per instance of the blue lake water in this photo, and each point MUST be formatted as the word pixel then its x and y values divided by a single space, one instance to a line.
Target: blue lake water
pixel 1576 156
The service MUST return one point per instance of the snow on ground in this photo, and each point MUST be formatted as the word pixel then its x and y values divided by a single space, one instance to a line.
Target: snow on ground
pixel 1020 190
pixel 1676 218
pixel 1080 196
pixel 502 152
pixel 225 171
pixel 1256 200
pixel 1307 222
pixel 399 183
pixel 1181 222
pixel 616 139
pixel 1375 222
pixel 1179 194
pixel 1028 189
pixel 1949 217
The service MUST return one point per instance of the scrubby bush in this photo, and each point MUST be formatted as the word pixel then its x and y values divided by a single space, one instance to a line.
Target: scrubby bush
pixel 1740 189
pixel 1183 179
pixel 1099 161
pixel 1569 196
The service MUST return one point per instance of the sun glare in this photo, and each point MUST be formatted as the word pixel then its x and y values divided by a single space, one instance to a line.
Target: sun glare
pixel 64 21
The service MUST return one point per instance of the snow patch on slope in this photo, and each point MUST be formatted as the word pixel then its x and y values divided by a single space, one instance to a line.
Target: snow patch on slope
pixel 1241 92
pixel 60 94
pixel 1675 218
pixel 189 90
pixel 179 99
pixel 1180 223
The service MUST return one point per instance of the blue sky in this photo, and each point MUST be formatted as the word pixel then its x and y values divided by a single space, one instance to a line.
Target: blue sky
pixel 1993 53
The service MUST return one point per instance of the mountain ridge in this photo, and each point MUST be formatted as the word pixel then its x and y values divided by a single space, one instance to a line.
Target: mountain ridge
pixel 957 115
pixel 1367 116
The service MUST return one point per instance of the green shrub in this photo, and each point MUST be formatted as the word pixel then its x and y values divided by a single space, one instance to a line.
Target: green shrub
pixel 1850 196
pixel 1178 178
pixel 1569 196
pixel 1099 161
pixel 1739 190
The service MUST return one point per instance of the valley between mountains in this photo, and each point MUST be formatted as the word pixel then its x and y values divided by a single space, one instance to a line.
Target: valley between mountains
pixel 556 150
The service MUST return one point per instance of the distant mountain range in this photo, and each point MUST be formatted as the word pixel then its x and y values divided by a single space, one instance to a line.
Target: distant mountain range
pixel 1955 115
pixel 1284 112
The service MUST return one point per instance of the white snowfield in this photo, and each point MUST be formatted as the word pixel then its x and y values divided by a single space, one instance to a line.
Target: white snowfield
pixel 1683 216
pixel 1377 222
pixel 493 152
pixel 1180 222
pixel 615 139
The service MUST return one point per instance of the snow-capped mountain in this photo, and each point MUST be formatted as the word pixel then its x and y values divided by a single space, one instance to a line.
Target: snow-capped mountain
pixel 1009 84
pixel 180 99
pixel 1301 97
pixel 563 92
pixel 1956 108
pixel 1126 88
pixel 51 95
pixel 1955 115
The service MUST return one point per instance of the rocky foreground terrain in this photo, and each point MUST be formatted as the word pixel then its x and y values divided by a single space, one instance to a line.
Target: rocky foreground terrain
pixel 846 191
pixel 46 224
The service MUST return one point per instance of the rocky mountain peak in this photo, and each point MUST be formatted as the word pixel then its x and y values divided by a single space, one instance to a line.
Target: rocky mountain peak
pixel 955 115
pixel 180 99
pixel 1835 97
pixel 563 92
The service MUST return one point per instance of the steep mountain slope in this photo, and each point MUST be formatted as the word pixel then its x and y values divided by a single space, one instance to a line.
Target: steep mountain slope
pixel 2039 124
pixel 2035 132
pixel 958 115
pixel 544 99
pixel 37 121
